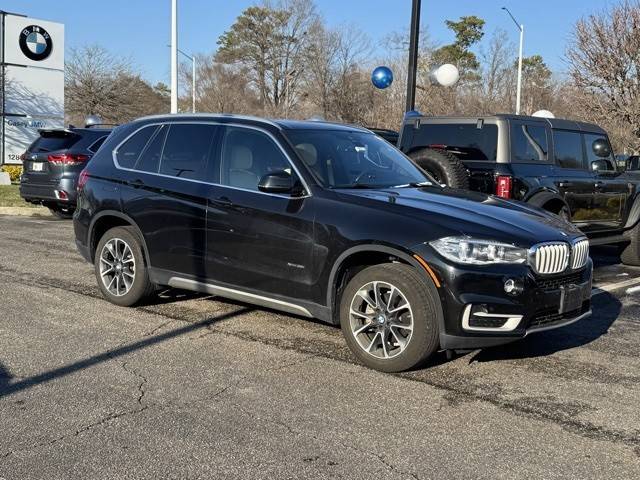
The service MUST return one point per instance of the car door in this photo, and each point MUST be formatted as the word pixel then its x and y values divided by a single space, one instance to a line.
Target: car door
pixel 256 240
pixel 573 179
pixel 166 194
pixel 611 187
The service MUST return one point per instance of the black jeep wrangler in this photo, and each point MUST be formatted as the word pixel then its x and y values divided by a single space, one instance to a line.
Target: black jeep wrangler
pixel 562 166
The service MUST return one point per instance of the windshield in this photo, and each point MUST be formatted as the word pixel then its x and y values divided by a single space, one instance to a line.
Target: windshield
pixel 350 159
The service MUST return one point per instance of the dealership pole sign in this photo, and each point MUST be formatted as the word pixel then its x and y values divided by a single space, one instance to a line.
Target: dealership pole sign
pixel 32 81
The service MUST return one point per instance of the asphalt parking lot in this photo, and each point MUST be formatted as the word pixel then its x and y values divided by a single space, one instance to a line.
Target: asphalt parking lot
pixel 194 387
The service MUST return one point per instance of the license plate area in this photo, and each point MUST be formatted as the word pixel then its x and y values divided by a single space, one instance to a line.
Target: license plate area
pixel 37 166
pixel 572 296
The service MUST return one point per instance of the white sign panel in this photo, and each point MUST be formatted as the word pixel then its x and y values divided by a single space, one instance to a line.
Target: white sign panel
pixel 33 91
pixel 32 42
pixel 20 132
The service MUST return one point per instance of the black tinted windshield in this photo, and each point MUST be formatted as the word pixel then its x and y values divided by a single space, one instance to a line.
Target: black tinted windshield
pixel 351 159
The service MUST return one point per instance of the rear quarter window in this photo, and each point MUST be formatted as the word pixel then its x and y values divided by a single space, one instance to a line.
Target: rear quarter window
pixel 529 143
pixel 465 140
pixel 127 154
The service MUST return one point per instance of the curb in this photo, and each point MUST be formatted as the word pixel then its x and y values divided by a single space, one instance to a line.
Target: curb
pixel 25 211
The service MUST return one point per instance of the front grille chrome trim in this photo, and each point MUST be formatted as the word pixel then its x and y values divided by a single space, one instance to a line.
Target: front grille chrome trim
pixel 580 254
pixel 549 258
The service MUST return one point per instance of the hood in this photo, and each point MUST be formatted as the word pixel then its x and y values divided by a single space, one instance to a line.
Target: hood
pixel 460 212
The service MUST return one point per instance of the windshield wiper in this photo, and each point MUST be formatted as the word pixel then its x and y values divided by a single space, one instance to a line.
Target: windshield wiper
pixel 414 185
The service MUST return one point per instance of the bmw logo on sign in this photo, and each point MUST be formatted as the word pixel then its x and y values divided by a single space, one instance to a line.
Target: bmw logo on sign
pixel 35 42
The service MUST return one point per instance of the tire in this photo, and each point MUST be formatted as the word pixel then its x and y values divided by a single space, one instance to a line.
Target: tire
pixel 443 166
pixel 132 272
pixel 424 310
pixel 631 253
pixel 63 213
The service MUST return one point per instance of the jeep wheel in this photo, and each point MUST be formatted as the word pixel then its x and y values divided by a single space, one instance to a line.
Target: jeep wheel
pixel 443 166
pixel 120 267
pixel 631 253
pixel 389 317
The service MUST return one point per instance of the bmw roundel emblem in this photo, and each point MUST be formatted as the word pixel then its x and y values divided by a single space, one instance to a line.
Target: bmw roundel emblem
pixel 35 42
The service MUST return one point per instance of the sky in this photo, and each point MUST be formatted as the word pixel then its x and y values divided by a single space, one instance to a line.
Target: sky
pixel 140 29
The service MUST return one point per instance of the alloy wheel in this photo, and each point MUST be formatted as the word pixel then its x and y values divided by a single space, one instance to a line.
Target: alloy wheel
pixel 117 267
pixel 381 319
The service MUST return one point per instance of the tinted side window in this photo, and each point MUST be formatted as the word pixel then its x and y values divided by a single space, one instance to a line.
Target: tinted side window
pixel 248 155
pixel 149 161
pixel 528 143
pixel 465 140
pixel 568 149
pixel 128 153
pixel 187 150
pixel 589 138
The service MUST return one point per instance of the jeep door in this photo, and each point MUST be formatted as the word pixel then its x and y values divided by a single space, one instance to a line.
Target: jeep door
pixel 611 187
pixel 165 192
pixel 256 240
pixel 572 177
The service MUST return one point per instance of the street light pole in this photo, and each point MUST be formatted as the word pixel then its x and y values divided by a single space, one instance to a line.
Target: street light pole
pixel 519 88
pixel 174 56
pixel 414 37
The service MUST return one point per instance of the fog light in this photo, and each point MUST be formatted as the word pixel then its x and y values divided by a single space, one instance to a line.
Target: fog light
pixel 513 287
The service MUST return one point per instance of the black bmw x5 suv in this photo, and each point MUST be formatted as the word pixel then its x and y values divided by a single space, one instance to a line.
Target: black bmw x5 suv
pixel 327 221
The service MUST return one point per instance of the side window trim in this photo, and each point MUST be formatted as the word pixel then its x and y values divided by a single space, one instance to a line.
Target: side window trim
pixel 222 124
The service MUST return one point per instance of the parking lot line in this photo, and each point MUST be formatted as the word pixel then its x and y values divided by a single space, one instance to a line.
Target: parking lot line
pixel 610 287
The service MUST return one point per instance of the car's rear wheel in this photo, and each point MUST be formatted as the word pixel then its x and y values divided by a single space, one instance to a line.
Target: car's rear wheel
pixel 443 166
pixel 120 267
pixel 631 253
pixel 64 213
pixel 389 317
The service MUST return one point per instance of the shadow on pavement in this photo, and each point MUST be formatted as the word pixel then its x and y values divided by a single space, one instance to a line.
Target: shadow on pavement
pixel 606 309
pixel 7 388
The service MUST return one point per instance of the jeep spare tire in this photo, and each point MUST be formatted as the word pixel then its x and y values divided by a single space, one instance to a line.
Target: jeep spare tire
pixel 443 166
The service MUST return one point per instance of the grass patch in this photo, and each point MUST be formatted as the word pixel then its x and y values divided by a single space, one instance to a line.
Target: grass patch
pixel 10 197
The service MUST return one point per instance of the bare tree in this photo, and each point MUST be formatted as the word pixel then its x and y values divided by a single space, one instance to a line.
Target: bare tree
pixel 604 59
pixel 97 82
pixel 220 88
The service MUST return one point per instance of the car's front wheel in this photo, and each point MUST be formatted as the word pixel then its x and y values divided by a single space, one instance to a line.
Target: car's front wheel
pixel 120 267
pixel 389 317
pixel 631 253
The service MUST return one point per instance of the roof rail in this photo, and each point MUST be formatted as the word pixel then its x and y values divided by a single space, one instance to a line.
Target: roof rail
pixel 210 115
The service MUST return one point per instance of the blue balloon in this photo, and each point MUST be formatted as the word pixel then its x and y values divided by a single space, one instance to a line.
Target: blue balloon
pixel 382 77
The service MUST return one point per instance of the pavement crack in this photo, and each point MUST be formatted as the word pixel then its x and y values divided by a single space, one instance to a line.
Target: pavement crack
pixel 141 384
pixel 86 428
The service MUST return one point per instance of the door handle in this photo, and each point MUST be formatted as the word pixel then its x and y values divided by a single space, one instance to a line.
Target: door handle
pixel 598 185
pixel 224 201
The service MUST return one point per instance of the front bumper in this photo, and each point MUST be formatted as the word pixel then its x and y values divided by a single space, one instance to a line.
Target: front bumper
pixel 479 313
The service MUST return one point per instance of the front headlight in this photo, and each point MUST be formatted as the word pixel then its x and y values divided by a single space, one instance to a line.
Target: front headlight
pixel 478 252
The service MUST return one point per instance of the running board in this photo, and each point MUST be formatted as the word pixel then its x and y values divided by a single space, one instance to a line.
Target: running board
pixel 184 283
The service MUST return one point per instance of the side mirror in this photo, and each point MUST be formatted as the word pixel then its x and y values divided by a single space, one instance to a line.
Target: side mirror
pixel 278 182
pixel 601 148
pixel 600 166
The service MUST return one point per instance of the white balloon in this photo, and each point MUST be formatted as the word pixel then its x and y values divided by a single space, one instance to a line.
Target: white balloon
pixel 445 75
pixel 543 114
